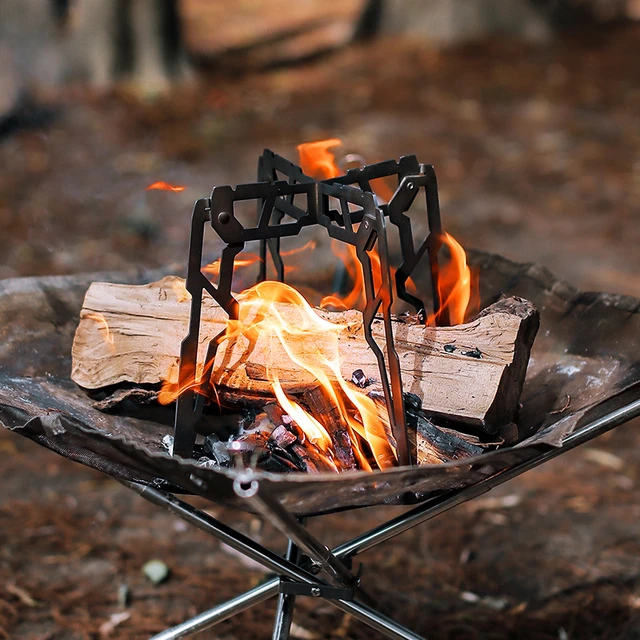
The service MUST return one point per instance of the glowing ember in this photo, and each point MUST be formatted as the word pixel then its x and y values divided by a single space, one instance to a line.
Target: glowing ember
pixel 165 186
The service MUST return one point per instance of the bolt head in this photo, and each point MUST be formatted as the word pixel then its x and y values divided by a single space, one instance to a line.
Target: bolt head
pixel 224 217
pixel 315 592
pixel 411 186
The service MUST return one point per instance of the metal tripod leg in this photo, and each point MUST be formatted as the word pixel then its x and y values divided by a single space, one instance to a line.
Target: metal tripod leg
pixel 364 542
pixel 281 566
pixel 286 601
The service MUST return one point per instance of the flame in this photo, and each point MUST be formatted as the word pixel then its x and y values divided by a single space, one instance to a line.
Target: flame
pixel 355 299
pixel 241 260
pixel 260 313
pixel 99 318
pixel 317 161
pixel 311 427
pixel 165 186
pixel 454 284
pixel 247 259
pixel 309 246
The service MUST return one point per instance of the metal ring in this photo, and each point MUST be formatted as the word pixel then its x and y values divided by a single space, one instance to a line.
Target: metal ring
pixel 245 487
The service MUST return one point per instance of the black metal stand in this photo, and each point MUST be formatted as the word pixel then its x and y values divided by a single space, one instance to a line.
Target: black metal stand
pixel 347 209
pixel 299 575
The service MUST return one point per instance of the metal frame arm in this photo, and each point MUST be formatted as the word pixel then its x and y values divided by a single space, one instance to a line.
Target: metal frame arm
pixel 289 568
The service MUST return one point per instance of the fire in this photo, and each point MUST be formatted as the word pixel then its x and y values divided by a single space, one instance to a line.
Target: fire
pixel 247 259
pixel 317 161
pixel 454 284
pixel 355 299
pixel 242 260
pixel 165 186
pixel 260 313
pixel 311 427
pixel 280 314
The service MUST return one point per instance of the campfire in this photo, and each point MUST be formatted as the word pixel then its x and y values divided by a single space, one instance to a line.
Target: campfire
pixel 390 366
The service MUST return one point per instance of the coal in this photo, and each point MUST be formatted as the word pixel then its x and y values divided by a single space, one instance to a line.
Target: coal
pixel 359 378
pixel 282 437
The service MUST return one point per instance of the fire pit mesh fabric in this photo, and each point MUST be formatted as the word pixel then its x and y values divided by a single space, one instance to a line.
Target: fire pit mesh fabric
pixel 586 360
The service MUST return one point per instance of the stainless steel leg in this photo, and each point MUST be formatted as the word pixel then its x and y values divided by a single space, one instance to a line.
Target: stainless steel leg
pixel 223 611
pixel 376 620
pixel 236 540
pixel 288 524
pixel 286 602
pixel 368 540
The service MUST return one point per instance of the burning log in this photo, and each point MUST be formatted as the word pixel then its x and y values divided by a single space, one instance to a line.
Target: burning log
pixel 329 415
pixel 471 373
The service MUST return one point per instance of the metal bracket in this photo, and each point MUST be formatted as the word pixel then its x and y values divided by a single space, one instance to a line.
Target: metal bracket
pixel 316 591
pixel 290 587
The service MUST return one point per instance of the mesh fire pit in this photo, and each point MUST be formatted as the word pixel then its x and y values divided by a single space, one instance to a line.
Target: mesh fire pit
pixel 583 379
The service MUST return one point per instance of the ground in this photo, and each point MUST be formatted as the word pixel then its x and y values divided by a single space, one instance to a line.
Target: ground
pixel 537 152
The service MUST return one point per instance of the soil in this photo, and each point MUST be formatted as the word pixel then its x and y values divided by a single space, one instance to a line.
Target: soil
pixel 537 152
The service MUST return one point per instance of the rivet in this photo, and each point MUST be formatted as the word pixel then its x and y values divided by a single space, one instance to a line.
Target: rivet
pixel 410 186
pixel 316 592
pixel 224 217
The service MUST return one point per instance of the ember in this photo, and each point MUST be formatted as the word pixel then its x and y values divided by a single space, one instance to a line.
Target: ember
pixel 165 186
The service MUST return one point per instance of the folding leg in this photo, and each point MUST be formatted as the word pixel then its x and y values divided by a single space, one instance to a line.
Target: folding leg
pixel 286 601
pixel 294 576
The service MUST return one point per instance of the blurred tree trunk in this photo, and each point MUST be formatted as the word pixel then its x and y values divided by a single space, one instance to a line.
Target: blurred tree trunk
pixel 29 52
pixel 43 42
pixel 137 40
pixel 450 21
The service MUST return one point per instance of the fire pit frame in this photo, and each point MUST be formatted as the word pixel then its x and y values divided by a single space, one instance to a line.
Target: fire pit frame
pixel 297 574
pixel 359 221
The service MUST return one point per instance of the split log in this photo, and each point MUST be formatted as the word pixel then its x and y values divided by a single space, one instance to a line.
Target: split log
pixel 471 373
pixel 329 416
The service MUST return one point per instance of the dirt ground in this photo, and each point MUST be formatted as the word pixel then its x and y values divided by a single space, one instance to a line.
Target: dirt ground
pixel 538 158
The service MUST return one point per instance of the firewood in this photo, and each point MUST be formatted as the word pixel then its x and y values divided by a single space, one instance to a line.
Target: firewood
pixel 282 437
pixel 329 416
pixel 435 445
pixel 471 373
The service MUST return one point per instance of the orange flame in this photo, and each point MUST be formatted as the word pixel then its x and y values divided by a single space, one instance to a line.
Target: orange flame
pixel 165 186
pixel 454 284
pixel 317 161
pixel 311 427
pixel 260 314
pixel 355 299
pixel 247 259
pixel 241 260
